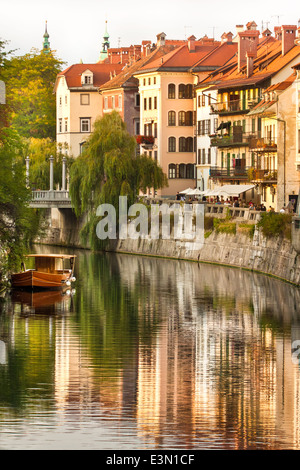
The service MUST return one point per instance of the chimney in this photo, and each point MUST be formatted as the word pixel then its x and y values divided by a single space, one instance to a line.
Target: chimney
pixel 191 43
pixel 161 39
pixel 288 36
pixel 247 42
pixel 250 56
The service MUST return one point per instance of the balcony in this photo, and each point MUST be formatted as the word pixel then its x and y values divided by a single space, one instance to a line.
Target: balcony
pixel 146 141
pixel 263 144
pixel 262 175
pixel 237 139
pixel 233 106
pixel 229 173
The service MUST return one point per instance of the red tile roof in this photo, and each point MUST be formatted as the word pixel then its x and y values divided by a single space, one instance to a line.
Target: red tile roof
pixel 101 73
pixel 269 61
pixel 125 78
pixel 182 57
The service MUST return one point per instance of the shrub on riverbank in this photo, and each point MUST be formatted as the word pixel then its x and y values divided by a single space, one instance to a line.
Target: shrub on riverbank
pixel 224 226
pixel 273 224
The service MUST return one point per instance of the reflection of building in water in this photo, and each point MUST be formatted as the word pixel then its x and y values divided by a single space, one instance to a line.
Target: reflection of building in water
pixel 218 364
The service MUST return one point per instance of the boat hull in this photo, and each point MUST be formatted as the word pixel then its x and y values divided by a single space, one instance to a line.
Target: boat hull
pixel 36 279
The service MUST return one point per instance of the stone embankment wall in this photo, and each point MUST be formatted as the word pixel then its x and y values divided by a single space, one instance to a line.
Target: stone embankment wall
pixel 272 256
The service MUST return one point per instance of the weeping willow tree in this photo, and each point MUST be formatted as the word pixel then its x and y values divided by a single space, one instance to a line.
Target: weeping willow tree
pixel 108 168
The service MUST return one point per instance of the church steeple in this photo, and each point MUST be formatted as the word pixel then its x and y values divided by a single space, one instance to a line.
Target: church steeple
pixel 46 43
pixel 105 44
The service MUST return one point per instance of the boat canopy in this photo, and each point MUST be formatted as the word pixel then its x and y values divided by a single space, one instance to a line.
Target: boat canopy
pixel 41 255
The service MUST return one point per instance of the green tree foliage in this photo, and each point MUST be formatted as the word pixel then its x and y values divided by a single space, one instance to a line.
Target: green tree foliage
pixel 273 224
pixel 39 152
pixel 109 168
pixel 30 83
pixel 18 223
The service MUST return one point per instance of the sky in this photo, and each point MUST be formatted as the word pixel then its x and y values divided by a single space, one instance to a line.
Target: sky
pixel 76 27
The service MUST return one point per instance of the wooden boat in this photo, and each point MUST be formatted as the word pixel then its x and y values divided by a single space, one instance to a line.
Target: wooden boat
pixel 49 272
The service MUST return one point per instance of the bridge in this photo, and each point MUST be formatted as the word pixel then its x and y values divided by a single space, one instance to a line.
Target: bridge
pixel 49 199
pixel 58 198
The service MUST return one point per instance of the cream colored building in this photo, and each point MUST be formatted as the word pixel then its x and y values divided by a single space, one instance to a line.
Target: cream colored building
pixel 78 103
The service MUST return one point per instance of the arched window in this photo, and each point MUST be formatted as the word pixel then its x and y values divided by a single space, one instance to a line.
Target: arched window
pixel 189 118
pixel 171 91
pixel 181 118
pixel 172 144
pixel 189 91
pixel 189 144
pixel 181 91
pixel 182 147
pixel 172 171
pixel 182 170
pixel 190 171
pixel 171 118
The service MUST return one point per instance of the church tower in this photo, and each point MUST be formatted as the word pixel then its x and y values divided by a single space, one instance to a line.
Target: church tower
pixel 105 44
pixel 46 43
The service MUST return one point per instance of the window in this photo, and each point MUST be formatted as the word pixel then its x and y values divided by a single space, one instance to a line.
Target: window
pixel 154 80
pixel 66 125
pixel 189 118
pixel 155 155
pixel 172 144
pixel 171 91
pixel 181 91
pixel 203 157
pixel 185 91
pixel 84 99
pixel 190 170
pixel 66 99
pixel 203 100
pixel 87 80
pixel 172 171
pixel 137 100
pixel 137 127
pixel 105 102
pixel 120 101
pixel 85 124
pixel 60 125
pixel 155 129
pixel 182 144
pixel 189 144
pixel 155 102
pixel 60 101
pixel 182 170
pixel 150 103
pixel 113 102
pixel 149 81
pixel 171 118
pixel 181 118
pixel 145 104
pixel 199 157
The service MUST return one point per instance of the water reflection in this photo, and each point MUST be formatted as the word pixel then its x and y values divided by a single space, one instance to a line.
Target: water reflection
pixel 160 354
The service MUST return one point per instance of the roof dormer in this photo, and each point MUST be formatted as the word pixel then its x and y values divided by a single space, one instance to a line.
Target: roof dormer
pixel 87 77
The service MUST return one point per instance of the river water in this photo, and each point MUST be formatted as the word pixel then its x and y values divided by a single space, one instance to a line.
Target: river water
pixel 151 353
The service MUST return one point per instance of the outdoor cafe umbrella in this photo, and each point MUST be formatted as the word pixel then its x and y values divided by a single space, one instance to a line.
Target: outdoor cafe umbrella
pixel 187 191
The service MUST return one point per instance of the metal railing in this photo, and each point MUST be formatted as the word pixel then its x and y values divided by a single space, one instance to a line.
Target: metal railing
pixel 233 106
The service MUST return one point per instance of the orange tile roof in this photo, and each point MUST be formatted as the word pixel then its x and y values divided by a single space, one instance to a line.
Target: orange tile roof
pixel 218 56
pixel 181 57
pixel 269 61
pixel 101 73
pixel 125 78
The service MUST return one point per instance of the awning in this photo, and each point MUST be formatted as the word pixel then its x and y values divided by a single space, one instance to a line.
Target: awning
pixel 230 190
pixel 224 125
pixel 186 191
